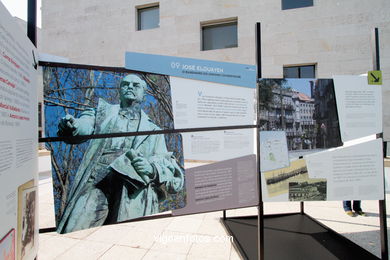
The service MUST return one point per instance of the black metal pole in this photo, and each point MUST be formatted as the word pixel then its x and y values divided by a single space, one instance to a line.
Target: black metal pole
pixel 224 215
pixel 377 65
pixel 32 21
pixel 302 208
pixel 260 217
pixel 258 50
pixel 382 203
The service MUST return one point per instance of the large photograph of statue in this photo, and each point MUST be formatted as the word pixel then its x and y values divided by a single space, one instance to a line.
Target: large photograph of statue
pixel 305 109
pixel 100 181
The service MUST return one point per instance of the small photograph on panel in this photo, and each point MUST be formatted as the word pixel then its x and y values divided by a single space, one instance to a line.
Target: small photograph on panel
pixel 305 109
pixel 7 246
pixel 278 180
pixel 307 190
pixel 26 220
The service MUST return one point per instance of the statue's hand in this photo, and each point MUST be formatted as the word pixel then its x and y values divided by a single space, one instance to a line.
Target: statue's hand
pixel 142 166
pixel 68 125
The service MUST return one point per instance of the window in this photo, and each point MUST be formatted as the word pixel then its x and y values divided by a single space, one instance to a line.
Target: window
pixel 291 4
pixel 307 71
pixel 148 17
pixel 219 36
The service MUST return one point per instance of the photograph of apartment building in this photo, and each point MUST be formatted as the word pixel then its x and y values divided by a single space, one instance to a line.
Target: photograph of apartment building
pixel 304 108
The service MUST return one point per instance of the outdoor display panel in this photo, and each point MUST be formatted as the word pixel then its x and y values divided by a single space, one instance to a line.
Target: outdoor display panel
pixel 207 94
pixel 107 173
pixel 111 179
pixel 352 172
pixel 298 117
pixel 307 119
pixel 18 142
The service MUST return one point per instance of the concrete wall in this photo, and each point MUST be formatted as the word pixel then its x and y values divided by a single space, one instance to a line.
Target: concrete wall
pixel 333 34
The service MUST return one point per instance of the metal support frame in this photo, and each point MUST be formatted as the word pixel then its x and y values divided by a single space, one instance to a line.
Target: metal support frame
pixel 260 218
pixel 32 21
pixel 382 203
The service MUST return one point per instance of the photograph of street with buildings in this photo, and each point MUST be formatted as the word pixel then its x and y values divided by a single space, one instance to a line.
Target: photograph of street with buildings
pixel 305 109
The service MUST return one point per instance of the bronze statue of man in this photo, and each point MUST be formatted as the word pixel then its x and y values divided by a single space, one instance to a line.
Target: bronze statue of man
pixel 119 178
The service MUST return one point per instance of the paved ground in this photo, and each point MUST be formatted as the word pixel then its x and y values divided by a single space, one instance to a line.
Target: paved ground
pixel 198 236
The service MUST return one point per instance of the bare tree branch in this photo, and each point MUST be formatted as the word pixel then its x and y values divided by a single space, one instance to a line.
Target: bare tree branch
pixel 56 167
pixel 62 105
pixel 72 101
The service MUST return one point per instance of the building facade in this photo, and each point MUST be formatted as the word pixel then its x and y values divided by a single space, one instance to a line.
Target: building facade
pixel 319 37
pixel 334 35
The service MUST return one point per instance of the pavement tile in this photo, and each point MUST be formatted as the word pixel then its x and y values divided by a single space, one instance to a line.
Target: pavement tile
pixel 194 257
pixel 185 225
pixel 212 227
pixel 161 255
pixel 212 249
pixel 280 207
pixel 81 234
pixel 43 237
pixel 242 212
pixel 192 216
pixel 85 250
pixel 213 215
pixel 138 238
pixel 173 242
pixel 110 234
pixel 54 246
pixel 46 210
pixel 160 223
pixel 123 253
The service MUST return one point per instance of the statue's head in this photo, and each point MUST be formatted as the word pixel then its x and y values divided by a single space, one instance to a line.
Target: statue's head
pixel 132 89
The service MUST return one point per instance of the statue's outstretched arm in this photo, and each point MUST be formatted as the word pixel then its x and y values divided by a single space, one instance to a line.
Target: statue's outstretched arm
pixel 84 125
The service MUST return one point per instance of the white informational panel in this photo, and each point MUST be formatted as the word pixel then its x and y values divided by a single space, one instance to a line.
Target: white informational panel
pixel 218 145
pixel 207 104
pixel 359 107
pixel 273 150
pixel 346 173
pixel 199 104
pixel 18 141
pixel 353 173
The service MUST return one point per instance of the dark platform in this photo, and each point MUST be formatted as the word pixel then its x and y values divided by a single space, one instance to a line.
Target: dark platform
pixel 292 236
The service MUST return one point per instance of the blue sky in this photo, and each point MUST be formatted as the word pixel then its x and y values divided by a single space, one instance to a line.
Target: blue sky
pixel 301 85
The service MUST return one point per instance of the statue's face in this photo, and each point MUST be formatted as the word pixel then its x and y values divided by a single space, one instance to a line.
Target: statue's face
pixel 132 88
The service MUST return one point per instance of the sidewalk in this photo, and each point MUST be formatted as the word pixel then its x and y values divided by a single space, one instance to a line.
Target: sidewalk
pixel 145 239
pixel 199 236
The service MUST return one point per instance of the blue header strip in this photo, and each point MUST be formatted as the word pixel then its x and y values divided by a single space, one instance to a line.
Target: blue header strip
pixel 220 72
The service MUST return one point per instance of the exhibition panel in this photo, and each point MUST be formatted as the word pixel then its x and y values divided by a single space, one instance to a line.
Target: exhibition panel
pixel 18 142
pixel 117 149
